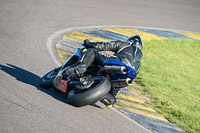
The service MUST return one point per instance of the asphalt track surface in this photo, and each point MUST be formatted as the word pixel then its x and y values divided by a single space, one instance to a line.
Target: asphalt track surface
pixel 25 26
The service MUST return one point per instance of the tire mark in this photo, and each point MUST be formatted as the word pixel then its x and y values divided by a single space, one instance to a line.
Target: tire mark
pixel 15 103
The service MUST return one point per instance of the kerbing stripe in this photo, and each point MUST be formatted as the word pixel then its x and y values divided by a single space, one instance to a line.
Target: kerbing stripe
pixel 191 35
pixel 131 32
pixel 166 34
pixel 80 37
pixel 106 35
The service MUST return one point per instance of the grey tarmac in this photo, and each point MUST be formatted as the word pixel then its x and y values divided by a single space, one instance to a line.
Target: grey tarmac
pixel 25 26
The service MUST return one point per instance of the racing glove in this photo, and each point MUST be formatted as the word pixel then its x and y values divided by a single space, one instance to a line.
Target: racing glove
pixel 88 44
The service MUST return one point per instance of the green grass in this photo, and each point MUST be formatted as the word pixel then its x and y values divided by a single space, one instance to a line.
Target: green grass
pixel 170 76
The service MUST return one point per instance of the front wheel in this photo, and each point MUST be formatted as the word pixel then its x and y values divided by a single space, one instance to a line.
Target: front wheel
pixel 47 79
pixel 100 87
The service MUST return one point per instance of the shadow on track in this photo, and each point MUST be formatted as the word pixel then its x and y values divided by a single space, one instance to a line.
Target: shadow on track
pixel 30 78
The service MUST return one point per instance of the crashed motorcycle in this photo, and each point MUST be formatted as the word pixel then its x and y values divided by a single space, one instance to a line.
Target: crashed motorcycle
pixel 91 86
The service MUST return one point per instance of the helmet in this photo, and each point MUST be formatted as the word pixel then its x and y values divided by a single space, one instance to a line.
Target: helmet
pixel 136 41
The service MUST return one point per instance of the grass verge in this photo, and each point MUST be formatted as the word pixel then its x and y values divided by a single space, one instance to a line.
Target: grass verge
pixel 170 77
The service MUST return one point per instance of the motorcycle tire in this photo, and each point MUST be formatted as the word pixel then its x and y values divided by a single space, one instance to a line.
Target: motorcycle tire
pixel 100 88
pixel 47 80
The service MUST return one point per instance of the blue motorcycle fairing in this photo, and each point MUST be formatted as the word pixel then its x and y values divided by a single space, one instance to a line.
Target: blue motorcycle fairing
pixel 131 73
pixel 77 56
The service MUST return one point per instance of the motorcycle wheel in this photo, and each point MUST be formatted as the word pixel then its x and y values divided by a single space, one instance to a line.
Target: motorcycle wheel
pixel 91 95
pixel 47 79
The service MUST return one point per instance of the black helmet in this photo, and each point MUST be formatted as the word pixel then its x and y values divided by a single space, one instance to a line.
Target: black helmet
pixel 136 41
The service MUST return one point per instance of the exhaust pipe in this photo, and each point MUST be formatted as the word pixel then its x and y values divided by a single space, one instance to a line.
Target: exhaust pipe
pixel 115 69
pixel 121 82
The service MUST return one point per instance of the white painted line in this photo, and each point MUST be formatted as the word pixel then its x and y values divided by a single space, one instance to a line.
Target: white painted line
pixel 51 48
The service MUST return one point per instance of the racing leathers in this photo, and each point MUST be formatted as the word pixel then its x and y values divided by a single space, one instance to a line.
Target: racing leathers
pixel 124 52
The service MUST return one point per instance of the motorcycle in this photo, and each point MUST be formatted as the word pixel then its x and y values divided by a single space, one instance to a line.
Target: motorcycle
pixel 91 86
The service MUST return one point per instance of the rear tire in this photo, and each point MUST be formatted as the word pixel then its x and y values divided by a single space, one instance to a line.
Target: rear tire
pixel 47 79
pixel 91 95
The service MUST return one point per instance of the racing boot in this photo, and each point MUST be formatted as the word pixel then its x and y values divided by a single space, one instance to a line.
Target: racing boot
pixel 108 100
pixel 79 68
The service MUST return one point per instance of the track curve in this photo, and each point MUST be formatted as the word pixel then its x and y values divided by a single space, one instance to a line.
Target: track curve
pixel 24 28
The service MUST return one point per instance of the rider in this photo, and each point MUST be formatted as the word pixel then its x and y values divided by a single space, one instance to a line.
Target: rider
pixel 129 53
